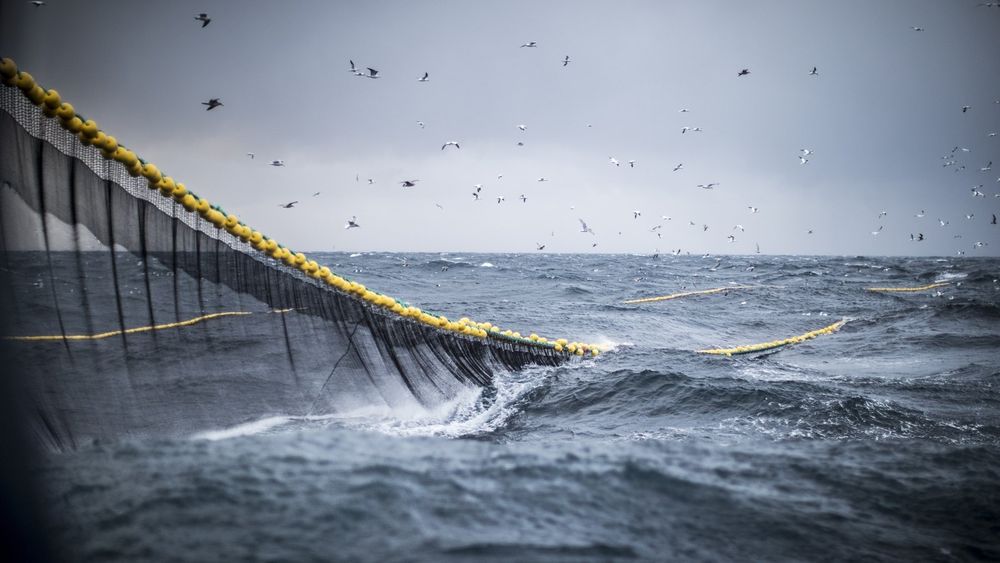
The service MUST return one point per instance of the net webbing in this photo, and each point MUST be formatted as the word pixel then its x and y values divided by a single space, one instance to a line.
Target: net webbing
pixel 87 249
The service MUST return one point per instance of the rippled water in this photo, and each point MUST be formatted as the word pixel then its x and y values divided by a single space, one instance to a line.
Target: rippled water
pixel 880 441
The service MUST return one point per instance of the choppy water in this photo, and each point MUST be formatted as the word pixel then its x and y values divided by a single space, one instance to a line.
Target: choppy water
pixel 879 442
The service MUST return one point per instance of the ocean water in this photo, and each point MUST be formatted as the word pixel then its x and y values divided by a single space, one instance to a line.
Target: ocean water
pixel 878 442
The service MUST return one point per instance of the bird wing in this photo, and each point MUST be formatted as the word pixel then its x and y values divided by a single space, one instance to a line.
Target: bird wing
pixel 205 22
pixel 372 71
pixel 426 74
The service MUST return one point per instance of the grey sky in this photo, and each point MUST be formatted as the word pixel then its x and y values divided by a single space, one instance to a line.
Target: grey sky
pixel 883 110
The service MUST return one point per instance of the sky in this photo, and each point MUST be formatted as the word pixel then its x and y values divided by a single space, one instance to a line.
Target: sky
pixel 881 118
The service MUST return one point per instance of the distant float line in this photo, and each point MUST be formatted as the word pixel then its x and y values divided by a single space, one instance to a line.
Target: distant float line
pixel 684 294
pixel 906 289
pixel 763 346
pixel 110 333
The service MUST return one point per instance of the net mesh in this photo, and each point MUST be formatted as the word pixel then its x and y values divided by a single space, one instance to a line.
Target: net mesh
pixel 155 322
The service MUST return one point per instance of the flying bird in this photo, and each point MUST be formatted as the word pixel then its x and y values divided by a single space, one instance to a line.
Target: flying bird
pixel 584 228
pixel 566 60
pixel 316 194
pixel 917 28
pixel 424 78
pixel 882 214
pixel 500 199
pixel 740 227
pixel 631 164
pixel 814 72
pixel 372 73
pixel 530 44
pixel 524 198
pixel 966 108
pixel 409 183
pixel 920 215
pixel 543 179
pixel 522 127
pixel 352 223
pixel 288 205
pixel 732 238
pixel 743 72
pixel 994 221
pixel 539 246
pixel 613 160
pixel 352 70
pixel 708 186
pixel 678 167
pixel 636 214
pixel 475 195
pixel 803 160
pixel 451 143
pixel 753 209
pixel 875 233
pixel 251 155
pixel 421 124
pixel 277 163
pixel 204 19
pixel 212 103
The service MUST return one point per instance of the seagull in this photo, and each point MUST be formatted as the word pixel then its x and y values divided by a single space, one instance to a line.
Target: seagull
pixel 977 193
pixel 409 183
pixel 994 221
pixel 708 186
pixel 917 28
pixel 806 152
pixel 277 163
pixel 988 167
pixel 372 73
pixel 732 238
pixel 678 167
pixel 203 18
pixel 613 160
pixel 752 209
pixel 683 110
pixel 530 44
pixel 371 181
pixel 667 218
pixel 539 246
pixel 631 164
pixel 352 70
pixel 636 214
pixel 288 205
pixel 920 237
pixel 566 61
pixel 439 206
pixel 520 144
pixel 704 228
pixel 251 155
pixel 943 222
pixel 813 72
pixel 584 228
pixel 970 216
pixel 979 245
pixel 352 223
pixel 522 127
pixel 809 232
pixel 882 214
pixel 212 103
pixel 316 194
pixel 450 143
pixel 803 160
pixel 500 199
pixel 743 72
pixel 740 227
pixel 424 78
pixel 875 233
pixel 421 124
pixel 920 215
pixel 543 179
pixel 479 187
pixel 685 129
pixel 524 198
pixel 655 228
pixel 475 195
pixel 499 176
pixel 966 108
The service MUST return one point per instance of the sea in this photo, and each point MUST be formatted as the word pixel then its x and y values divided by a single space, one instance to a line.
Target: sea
pixel 877 442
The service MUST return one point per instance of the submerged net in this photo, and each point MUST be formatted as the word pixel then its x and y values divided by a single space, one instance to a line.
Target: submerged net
pixel 129 313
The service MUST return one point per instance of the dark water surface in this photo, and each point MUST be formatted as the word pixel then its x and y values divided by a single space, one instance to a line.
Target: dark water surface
pixel 878 442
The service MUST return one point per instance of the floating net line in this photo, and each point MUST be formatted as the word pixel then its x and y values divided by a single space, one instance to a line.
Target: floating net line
pixel 764 346
pixel 685 294
pixel 100 252
pixel 906 289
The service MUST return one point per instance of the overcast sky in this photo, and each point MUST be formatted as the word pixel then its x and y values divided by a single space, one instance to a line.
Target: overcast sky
pixel 885 108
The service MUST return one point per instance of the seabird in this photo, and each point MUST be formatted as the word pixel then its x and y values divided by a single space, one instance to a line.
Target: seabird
pixel 613 160
pixel 409 183
pixel 803 160
pixel 520 144
pixel 539 246
pixel 251 155
pixel 806 152
pixel 372 73
pixel 530 44
pixel 943 222
pixel 203 18
pixel 631 164
pixel 875 233
pixel 584 228
pixel 316 194
pixel 212 103
pixel 566 60
pixel 288 205
pixel 814 72
pixel 743 72
pixel 704 228
pixel 920 215
pixel 421 124
pixel 352 223
pixel 522 127
pixel 39 4
pixel 439 206
pixel 277 163
pixel 636 214
pixel 371 181
pixel 916 28
pixel 683 110
pixel 882 214
pixel 740 227
pixel 543 179
pixel 970 216
pixel 994 221
pixel 678 167
pixel 732 238
pixel 475 195
pixel 424 78
pixel 966 108
pixel 524 198
pixel 500 199
pixel 988 167
pixel 450 143
pixel 708 186
pixel 752 209
pixel 352 70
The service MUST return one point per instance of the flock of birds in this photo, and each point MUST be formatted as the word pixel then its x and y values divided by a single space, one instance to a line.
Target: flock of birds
pixel 953 160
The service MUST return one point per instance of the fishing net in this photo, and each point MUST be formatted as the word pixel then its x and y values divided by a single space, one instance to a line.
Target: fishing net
pixel 126 314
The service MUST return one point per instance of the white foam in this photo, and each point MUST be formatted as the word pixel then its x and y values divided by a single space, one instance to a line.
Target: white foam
pixel 950 276
pixel 486 265
pixel 253 427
